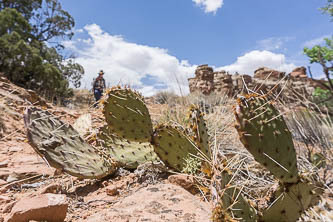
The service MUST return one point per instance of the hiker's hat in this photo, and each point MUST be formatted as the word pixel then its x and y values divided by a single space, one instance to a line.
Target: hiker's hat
pixel 101 72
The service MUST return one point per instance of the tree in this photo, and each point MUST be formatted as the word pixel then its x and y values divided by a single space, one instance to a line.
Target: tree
pixel 30 46
pixel 328 8
pixel 324 54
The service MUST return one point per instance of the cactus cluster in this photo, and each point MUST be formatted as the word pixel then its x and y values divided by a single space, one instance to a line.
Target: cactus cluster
pixel 264 133
pixel 127 139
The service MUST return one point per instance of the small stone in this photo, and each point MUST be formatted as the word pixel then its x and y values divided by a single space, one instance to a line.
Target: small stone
pixel 185 181
pixel 4 199
pixel 52 188
pixel 4 163
pixel 105 183
pixel 112 190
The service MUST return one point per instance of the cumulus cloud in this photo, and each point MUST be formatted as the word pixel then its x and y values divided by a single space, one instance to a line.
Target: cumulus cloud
pixel 316 41
pixel 210 6
pixel 273 43
pixel 151 69
pixel 148 69
pixel 249 62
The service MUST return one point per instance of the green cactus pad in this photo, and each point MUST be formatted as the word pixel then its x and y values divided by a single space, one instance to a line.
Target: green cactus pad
pixel 198 126
pixel 265 135
pixel 290 201
pixel 172 146
pixel 63 148
pixel 127 115
pixel 233 202
pixel 130 154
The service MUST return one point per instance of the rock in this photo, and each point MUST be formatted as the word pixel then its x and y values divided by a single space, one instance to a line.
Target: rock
pixel 44 207
pixel 299 72
pixel 4 199
pixel 204 72
pixel 2 182
pixel 185 181
pixel 207 81
pixel 8 207
pixel 203 80
pixel 271 74
pixel 112 190
pixel 161 202
pixel 4 163
pixel 52 188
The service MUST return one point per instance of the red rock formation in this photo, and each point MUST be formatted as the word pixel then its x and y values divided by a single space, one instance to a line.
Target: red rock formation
pixel 264 72
pixel 264 79
pixel 203 80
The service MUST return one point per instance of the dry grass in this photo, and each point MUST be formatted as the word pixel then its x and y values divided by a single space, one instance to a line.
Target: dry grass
pixel 312 132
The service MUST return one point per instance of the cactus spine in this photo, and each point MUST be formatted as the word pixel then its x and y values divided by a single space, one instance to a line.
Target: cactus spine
pixel 63 148
pixel 198 127
pixel 129 154
pixel 230 205
pixel 172 146
pixel 264 133
pixel 127 115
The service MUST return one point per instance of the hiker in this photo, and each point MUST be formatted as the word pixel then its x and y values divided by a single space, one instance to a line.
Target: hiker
pixel 99 86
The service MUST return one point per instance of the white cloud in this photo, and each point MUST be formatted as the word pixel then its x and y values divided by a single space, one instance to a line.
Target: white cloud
pixel 128 63
pixel 209 5
pixel 249 62
pixel 273 43
pixel 316 41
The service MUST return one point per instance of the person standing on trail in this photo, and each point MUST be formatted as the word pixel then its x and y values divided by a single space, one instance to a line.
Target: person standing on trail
pixel 99 86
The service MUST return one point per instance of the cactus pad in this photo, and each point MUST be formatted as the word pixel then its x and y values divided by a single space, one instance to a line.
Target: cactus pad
pixel 290 200
pixel 265 135
pixel 232 201
pixel 198 126
pixel 63 148
pixel 127 115
pixel 172 146
pixel 130 154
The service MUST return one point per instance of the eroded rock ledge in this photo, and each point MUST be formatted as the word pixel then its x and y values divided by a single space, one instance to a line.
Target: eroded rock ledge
pixel 264 79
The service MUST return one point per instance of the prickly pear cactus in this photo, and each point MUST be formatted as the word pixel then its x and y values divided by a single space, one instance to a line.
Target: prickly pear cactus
pixel 127 115
pixel 318 160
pixel 290 200
pixel 63 148
pixel 198 127
pixel 231 205
pixel 172 146
pixel 130 154
pixel 264 133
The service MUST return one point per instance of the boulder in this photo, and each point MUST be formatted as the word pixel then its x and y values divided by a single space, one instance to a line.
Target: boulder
pixel 44 207
pixel 160 202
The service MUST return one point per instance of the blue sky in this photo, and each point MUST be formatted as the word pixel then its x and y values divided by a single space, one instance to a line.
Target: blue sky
pixel 156 45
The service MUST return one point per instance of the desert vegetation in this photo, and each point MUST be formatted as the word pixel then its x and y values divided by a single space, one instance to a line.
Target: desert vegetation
pixel 254 155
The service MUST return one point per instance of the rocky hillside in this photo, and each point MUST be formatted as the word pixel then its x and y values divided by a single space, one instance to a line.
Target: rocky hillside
pixel 31 190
